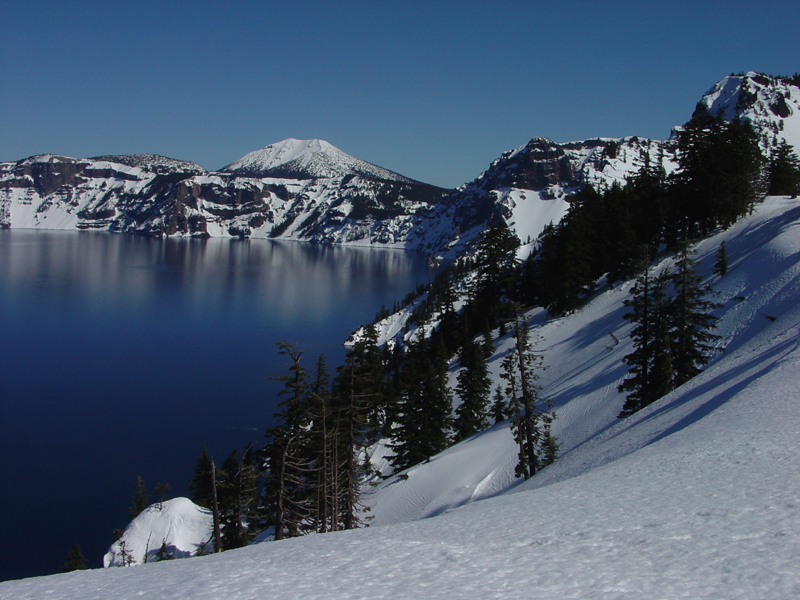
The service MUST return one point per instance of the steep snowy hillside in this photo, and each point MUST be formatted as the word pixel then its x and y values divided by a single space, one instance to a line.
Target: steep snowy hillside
pixel 693 497
pixel 306 159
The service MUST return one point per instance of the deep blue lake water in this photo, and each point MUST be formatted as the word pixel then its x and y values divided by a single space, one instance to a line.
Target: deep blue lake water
pixel 123 356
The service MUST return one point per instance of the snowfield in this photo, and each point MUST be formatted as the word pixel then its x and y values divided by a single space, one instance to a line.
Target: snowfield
pixel 697 496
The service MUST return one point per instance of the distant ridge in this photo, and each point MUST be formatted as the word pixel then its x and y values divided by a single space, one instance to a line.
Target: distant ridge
pixel 150 162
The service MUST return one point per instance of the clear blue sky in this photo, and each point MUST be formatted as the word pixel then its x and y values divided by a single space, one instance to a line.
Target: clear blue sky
pixel 433 90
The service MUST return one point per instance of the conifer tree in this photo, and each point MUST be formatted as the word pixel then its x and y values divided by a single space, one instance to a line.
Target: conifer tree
pixel 200 487
pixel 473 390
pixel 238 492
pixel 721 265
pixel 75 560
pixel 691 320
pixel 425 406
pixel 140 496
pixel 784 171
pixel 646 381
pixel 530 421
pixel 498 405
pixel 358 404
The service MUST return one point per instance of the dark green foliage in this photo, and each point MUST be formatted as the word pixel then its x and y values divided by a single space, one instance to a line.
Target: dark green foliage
pixel 721 265
pixel 75 560
pixel 646 381
pixel 499 405
pixel 200 487
pixel 473 388
pixel 358 403
pixel 672 338
pixel 784 171
pixel 690 319
pixel 140 496
pixel 720 176
pixel 424 407
pixel 237 491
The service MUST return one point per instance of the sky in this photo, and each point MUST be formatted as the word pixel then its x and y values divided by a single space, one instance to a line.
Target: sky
pixel 433 90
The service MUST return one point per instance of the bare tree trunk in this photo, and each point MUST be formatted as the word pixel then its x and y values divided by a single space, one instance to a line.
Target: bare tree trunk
pixel 217 536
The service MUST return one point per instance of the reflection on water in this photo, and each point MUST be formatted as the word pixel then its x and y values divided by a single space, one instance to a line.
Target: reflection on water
pixel 123 356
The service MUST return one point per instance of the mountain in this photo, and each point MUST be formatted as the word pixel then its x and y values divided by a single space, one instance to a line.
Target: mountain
pixel 770 104
pixel 309 190
pixel 306 159
pixel 694 496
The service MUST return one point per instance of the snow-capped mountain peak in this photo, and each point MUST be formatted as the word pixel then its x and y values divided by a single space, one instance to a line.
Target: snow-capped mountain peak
pixel 306 159
pixel 770 104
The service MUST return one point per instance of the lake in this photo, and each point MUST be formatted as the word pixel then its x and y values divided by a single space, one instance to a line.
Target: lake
pixel 123 356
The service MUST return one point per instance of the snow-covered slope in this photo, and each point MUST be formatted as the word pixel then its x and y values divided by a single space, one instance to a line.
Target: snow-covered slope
pixel 306 159
pixel 693 497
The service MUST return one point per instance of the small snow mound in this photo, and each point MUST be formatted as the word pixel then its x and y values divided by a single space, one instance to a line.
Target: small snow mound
pixel 179 525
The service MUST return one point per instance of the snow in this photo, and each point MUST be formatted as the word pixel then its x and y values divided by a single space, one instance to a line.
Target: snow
pixel 307 158
pixel 696 496
pixel 179 524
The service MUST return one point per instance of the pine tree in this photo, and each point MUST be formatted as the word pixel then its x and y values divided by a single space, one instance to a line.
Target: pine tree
pixel 473 390
pixel 360 413
pixel 140 496
pixel 646 381
pixel 161 490
pixel 691 320
pixel 425 406
pixel 499 408
pixel 238 491
pixel 75 560
pixel 530 421
pixel 784 171
pixel 200 487
pixel 721 265
pixel 292 472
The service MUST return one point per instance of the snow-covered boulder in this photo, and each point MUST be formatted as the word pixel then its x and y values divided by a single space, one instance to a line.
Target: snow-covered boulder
pixel 179 525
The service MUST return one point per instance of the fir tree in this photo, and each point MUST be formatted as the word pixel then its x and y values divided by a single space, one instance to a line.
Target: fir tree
pixel 784 171
pixel 75 560
pixel 161 490
pixel 646 381
pixel 473 390
pixel 425 406
pixel 530 421
pixel 238 492
pixel 691 320
pixel 140 496
pixel 200 487
pixel 721 265
pixel 499 407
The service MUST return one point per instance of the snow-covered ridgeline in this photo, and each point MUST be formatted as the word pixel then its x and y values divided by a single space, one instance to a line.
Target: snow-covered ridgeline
pixel 771 105
pixel 695 496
